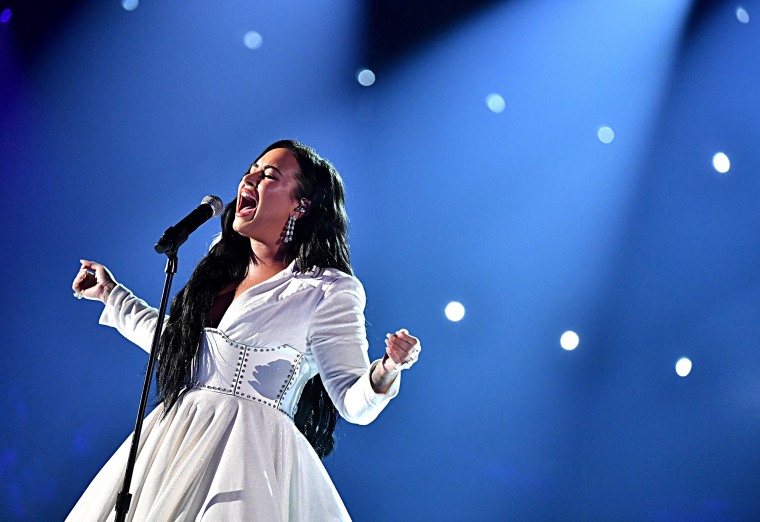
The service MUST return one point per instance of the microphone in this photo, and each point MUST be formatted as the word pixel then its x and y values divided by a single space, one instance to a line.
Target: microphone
pixel 211 206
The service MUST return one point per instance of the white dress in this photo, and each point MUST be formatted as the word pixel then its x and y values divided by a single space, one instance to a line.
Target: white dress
pixel 229 451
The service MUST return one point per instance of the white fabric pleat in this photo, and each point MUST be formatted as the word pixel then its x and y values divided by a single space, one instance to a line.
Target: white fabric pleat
pixel 217 458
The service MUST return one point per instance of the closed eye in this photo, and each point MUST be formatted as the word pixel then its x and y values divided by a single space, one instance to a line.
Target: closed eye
pixel 269 168
pixel 263 175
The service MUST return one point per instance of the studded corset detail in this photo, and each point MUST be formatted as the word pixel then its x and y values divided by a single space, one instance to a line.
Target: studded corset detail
pixel 263 374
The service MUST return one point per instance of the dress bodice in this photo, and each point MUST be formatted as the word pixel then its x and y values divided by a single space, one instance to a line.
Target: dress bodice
pixel 270 375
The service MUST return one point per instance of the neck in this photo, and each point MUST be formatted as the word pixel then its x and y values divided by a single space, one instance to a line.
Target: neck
pixel 267 258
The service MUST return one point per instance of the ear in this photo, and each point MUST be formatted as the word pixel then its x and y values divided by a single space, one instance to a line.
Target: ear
pixel 304 206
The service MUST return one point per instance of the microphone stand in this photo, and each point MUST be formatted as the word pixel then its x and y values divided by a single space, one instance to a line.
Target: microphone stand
pixel 124 498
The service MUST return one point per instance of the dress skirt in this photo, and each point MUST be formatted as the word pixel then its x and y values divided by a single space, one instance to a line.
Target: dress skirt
pixel 216 457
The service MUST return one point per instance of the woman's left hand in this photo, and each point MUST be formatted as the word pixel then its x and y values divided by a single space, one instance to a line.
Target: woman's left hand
pixel 401 351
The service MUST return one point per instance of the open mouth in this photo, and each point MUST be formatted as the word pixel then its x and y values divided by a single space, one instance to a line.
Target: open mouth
pixel 246 203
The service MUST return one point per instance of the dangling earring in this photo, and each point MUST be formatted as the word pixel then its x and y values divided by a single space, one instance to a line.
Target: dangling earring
pixel 291 225
pixel 289 229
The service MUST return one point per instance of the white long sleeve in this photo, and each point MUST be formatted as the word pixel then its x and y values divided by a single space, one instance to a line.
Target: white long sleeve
pixel 131 316
pixel 338 341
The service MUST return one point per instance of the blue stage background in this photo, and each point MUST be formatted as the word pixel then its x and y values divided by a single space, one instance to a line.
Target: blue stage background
pixel 475 173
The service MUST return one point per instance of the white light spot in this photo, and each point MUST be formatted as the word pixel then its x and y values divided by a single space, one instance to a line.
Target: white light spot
pixel 742 15
pixel 721 163
pixel 253 40
pixel 130 5
pixel 496 103
pixel 365 77
pixel 605 134
pixel 454 311
pixel 683 366
pixel 569 340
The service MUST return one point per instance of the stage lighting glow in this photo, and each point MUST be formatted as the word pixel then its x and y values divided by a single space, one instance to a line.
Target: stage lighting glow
pixel 742 15
pixel 253 40
pixel 496 103
pixel 454 311
pixel 130 5
pixel 569 340
pixel 683 366
pixel 5 16
pixel 605 134
pixel 365 77
pixel 721 163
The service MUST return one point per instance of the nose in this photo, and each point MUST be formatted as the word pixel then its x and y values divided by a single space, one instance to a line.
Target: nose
pixel 253 179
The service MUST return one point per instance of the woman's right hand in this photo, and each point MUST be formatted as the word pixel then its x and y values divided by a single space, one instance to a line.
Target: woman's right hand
pixel 93 281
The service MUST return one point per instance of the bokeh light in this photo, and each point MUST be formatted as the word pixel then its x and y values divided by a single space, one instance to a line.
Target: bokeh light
pixel 253 40
pixel 683 366
pixel 605 134
pixel 454 311
pixel 721 163
pixel 569 340
pixel 496 103
pixel 130 5
pixel 742 15
pixel 365 77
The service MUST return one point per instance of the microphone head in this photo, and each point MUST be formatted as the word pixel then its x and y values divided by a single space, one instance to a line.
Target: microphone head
pixel 216 204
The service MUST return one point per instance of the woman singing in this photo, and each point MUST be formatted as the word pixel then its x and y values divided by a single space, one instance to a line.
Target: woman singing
pixel 263 347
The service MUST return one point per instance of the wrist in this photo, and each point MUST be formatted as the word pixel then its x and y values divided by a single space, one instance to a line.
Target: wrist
pixel 381 377
pixel 107 289
pixel 385 364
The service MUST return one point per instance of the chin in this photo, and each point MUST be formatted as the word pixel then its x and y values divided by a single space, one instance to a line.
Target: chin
pixel 246 229
pixel 239 226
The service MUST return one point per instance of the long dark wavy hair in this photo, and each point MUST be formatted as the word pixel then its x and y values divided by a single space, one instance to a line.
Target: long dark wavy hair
pixel 320 240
